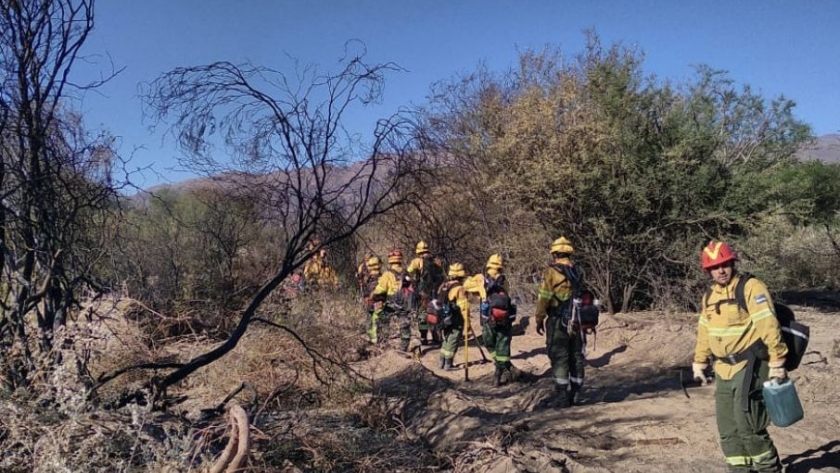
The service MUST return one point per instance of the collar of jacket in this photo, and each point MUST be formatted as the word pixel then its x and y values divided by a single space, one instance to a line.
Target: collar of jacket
pixel 563 261
pixel 729 288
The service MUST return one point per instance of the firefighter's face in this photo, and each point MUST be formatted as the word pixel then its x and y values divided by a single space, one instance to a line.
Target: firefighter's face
pixel 722 273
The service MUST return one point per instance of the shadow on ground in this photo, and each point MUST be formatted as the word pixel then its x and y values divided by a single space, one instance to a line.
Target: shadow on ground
pixel 825 456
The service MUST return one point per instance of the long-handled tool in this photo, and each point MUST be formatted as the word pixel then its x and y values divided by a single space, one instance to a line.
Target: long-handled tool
pixel 467 349
pixel 480 348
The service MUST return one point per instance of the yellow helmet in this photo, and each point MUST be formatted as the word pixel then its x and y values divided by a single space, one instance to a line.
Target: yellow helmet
pixel 562 245
pixel 421 248
pixel 373 263
pixel 456 270
pixel 395 257
pixel 495 262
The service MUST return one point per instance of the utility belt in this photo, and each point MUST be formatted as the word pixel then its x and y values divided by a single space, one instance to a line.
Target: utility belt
pixel 752 355
pixel 564 310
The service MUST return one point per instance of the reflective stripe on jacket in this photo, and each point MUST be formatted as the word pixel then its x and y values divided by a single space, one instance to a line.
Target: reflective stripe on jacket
pixel 724 329
pixel 554 290
pixel 458 295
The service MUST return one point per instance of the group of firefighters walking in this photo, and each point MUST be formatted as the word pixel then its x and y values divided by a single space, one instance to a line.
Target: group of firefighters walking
pixel 743 337
pixel 406 295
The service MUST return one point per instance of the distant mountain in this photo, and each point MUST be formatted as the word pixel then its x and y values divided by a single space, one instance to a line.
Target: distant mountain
pixel 826 149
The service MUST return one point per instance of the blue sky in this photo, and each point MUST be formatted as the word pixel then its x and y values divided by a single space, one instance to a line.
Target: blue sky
pixel 778 47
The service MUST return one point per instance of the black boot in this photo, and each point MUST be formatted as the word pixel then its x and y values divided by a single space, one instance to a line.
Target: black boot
pixel 573 395
pixel 497 376
pixel 423 340
pixel 562 398
pixel 447 364
pixel 442 362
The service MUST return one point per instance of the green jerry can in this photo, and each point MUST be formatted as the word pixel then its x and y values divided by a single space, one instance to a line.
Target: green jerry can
pixel 782 402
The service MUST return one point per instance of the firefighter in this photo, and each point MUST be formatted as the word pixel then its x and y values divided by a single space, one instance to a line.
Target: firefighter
pixel 748 349
pixel 427 275
pixel 393 291
pixel 373 307
pixel 452 295
pixel 316 272
pixel 496 331
pixel 564 341
pixel 362 274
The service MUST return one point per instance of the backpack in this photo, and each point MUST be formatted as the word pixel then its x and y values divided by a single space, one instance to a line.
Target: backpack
pixel 441 310
pixel 583 312
pixel 369 286
pixel 500 308
pixel 430 278
pixel 794 334
pixel 404 297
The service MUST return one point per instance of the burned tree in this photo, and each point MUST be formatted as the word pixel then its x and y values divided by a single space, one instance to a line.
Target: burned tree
pixel 55 181
pixel 285 146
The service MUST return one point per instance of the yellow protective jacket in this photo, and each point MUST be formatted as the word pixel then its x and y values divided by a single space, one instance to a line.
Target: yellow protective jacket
pixel 475 284
pixel 388 283
pixel 724 329
pixel 371 283
pixel 455 293
pixel 416 266
pixel 316 271
pixel 312 269
pixel 554 290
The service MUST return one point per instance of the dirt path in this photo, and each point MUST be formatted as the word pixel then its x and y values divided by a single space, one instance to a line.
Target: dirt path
pixel 635 414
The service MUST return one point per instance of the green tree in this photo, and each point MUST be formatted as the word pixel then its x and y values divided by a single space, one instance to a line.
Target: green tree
pixel 634 170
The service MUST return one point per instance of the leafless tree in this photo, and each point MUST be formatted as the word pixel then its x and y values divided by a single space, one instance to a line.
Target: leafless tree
pixel 55 178
pixel 281 140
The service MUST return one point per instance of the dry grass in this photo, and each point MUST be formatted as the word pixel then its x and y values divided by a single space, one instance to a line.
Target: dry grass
pixel 54 427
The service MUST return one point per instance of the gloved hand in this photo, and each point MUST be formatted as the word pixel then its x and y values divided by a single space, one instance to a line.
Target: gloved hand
pixel 777 370
pixel 699 371
pixel 541 327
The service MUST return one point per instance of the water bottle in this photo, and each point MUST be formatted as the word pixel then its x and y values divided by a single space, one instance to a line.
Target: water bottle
pixel 782 402
pixel 484 310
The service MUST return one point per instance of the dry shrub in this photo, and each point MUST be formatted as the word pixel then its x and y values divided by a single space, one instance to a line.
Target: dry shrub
pixel 786 256
pixel 53 427
pixel 284 371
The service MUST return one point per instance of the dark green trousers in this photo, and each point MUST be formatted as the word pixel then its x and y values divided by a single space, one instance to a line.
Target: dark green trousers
pixel 425 327
pixel 565 352
pixel 497 339
pixel 379 326
pixel 452 337
pixel 743 435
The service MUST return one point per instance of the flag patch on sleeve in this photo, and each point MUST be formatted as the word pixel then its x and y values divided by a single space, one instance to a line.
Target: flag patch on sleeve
pixel 760 298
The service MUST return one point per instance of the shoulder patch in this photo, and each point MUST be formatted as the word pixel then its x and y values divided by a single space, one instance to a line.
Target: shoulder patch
pixel 760 299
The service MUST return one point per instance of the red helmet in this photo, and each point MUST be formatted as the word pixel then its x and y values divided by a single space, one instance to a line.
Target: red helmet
pixel 395 257
pixel 717 253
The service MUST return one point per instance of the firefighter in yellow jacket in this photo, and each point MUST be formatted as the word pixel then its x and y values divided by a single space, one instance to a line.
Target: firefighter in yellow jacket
pixel 362 273
pixel 564 342
pixel 747 347
pixel 452 295
pixel 392 293
pixel 316 272
pixel 496 327
pixel 373 307
pixel 427 276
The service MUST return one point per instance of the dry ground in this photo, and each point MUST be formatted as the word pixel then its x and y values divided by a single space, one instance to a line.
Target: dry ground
pixel 635 414
pixel 406 415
